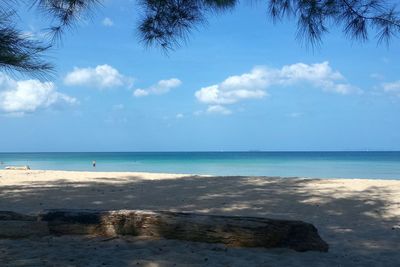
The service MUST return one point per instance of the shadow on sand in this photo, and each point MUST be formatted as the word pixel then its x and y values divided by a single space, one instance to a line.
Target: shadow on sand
pixel 356 225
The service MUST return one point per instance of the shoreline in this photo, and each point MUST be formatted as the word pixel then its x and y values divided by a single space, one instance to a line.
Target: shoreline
pixel 381 165
pixel 145 174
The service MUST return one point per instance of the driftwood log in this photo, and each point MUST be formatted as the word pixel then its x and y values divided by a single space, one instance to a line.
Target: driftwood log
pixel 229 230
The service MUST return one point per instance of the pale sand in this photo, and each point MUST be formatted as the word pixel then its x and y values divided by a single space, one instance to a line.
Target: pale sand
pixel 360 219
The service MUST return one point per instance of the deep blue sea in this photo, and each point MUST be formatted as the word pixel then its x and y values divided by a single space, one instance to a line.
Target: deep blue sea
pixel 288 164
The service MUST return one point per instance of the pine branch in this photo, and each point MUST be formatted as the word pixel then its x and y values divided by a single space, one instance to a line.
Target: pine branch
pixel 19 53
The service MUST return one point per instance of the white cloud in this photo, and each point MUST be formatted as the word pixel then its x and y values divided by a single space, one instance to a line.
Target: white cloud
pixel 179 116
pixel 254 84
pixel 319 75
pixel 295 114
pixel 118 107
pixel 107 22
pixel 102 77
pixel 218 109
pixel 393 87
pixel 27 96
pixel 161 87
pixel 140 92
pixel 236 88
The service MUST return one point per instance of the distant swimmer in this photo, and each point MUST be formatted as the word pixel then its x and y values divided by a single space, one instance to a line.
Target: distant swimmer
pixel 94 164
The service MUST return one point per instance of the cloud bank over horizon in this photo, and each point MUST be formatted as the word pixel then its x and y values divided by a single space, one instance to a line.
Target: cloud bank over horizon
pixel 254 84
pixel 27 96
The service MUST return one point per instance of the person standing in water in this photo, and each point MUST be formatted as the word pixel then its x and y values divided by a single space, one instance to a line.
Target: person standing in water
pixel 94 164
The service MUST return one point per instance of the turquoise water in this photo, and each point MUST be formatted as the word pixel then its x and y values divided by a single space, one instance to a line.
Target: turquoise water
pixel 289 164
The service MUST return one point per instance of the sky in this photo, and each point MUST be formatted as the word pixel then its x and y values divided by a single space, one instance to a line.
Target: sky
pixel 239 83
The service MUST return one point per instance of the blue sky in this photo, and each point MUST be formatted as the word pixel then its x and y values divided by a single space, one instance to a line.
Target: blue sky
pixel 240 83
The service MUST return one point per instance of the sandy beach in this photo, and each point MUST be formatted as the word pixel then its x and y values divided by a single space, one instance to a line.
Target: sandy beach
pixel 359 218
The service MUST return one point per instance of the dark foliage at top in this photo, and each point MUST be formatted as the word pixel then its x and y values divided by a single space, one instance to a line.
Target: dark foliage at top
pixel 167 23
pixel 18 52
pixel 356 17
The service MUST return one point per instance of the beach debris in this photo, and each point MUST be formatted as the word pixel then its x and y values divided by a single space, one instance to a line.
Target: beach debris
pixel 21 168
pixel 232 231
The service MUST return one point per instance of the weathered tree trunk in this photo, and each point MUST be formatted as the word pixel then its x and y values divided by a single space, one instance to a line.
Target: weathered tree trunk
pixel 229 230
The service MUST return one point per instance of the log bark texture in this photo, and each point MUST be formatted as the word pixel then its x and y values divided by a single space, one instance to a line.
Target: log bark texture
pixel 229 230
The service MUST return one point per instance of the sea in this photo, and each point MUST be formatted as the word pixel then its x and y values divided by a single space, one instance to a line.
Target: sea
pixel 338 164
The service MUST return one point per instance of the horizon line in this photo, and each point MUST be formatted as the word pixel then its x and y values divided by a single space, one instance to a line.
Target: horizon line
pixel 204 151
